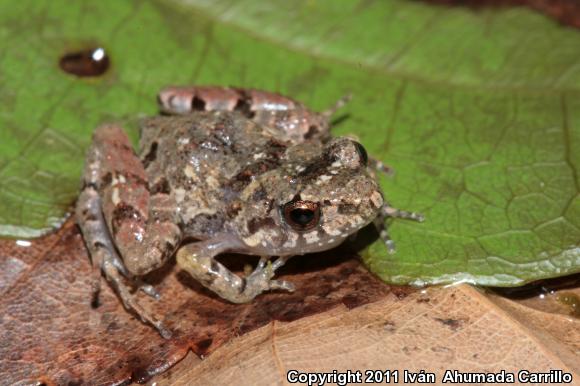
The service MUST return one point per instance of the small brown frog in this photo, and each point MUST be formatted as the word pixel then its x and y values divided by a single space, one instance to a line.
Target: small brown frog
pixel 235 170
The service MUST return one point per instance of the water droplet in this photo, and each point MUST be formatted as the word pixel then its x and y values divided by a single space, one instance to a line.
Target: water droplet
pixel 23 243
pixel 85 63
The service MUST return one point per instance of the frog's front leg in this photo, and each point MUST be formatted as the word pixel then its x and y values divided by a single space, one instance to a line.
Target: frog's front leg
pixel 198 259
pixel 116 212
pixel 290 117
pixel 380 167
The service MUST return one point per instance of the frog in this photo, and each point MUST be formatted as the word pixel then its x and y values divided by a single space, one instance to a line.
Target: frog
pixel 223 170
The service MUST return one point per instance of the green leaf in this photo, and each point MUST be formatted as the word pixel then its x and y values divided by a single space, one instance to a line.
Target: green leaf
pixel 476 111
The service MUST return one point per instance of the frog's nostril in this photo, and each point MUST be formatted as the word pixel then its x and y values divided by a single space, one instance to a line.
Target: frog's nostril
pixel 85 63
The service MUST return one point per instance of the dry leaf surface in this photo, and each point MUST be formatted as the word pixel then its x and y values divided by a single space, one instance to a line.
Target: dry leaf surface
pixel 435 330
pixel 50 332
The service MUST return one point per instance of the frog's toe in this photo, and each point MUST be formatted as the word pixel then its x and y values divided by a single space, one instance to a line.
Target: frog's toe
pixel 164 332
pixel 261 264
pixel 280 261
pixel 261 278
pixel 282 285
pixel 260 283
pixel 149 290
pixel 389 243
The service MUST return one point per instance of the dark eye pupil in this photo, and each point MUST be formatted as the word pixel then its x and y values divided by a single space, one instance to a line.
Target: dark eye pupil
pixel 362 153
pixel 301 216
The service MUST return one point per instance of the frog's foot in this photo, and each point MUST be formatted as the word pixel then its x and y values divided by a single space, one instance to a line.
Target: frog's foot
pixel 110 268
pixel 260 280
pixel 339 104
pixel 380 167
pixel 116 279
pixel 389 211
pixel 198 260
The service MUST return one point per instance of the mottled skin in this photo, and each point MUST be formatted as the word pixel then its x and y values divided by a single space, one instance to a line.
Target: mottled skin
pixel 227 170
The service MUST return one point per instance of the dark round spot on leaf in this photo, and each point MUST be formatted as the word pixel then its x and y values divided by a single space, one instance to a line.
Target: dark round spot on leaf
pixel 86 63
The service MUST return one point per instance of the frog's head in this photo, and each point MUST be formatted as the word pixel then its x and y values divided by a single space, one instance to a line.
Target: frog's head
pixel 318 201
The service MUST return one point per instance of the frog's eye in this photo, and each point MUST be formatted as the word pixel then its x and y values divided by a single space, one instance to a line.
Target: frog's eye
pixel 301 215
pixel 362 153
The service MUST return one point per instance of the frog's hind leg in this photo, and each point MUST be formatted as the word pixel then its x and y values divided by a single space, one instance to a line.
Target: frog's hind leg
pixel 291 118
pixel 141 222
pixel 114 192
pixel 105 259
pixel 389 211
pixel 198 260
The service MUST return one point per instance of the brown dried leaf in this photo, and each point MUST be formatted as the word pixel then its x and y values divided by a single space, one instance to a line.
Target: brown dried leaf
pixel 434 330
pixel 565 11
pixel 50 333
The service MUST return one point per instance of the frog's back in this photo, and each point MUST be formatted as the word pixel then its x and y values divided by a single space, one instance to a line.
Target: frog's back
pixel 204 160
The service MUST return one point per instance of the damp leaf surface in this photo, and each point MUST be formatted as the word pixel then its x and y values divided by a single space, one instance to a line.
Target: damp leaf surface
pixel 477 111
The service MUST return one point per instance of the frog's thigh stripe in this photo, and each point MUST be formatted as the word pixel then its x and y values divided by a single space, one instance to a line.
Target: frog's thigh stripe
pixel 291 118
pixel 179 100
